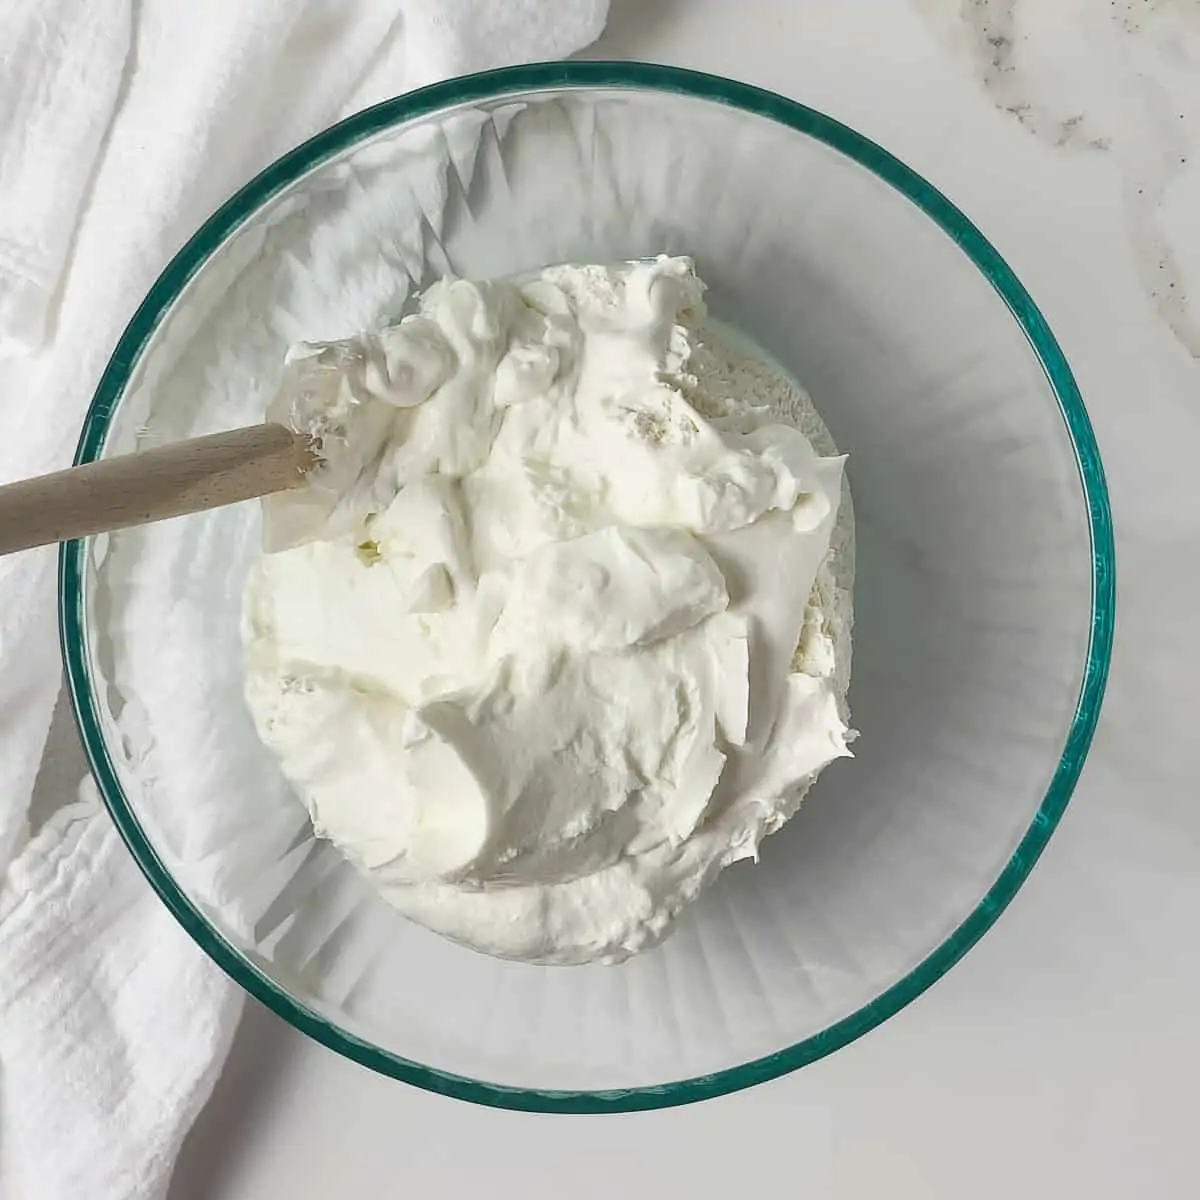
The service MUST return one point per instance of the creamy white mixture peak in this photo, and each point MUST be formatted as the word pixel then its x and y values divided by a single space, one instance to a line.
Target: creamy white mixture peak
pixel 528 643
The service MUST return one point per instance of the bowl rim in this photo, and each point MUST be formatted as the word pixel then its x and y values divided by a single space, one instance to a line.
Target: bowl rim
pixel 646 77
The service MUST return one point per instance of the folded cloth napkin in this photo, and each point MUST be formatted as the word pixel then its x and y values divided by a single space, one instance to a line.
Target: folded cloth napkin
pixel 123 123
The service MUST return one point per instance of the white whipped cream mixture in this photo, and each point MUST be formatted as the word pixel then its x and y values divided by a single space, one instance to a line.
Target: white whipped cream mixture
pixel 555 633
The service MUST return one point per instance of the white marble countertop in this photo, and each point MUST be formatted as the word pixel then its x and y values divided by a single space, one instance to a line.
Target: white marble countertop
pixel 1056 1059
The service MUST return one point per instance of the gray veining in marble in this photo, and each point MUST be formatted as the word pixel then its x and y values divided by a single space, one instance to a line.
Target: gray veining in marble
pixel 1116 77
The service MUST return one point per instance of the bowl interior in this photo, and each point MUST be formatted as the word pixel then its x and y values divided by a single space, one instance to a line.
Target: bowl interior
pixel 981 637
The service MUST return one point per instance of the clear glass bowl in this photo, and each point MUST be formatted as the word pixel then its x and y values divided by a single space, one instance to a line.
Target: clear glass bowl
pixel 984 596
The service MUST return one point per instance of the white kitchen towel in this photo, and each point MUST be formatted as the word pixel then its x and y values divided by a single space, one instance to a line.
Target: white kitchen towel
pixel 60 70
pixel 123 123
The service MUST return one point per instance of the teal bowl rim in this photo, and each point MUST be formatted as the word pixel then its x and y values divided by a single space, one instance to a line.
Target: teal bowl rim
pixel 646 77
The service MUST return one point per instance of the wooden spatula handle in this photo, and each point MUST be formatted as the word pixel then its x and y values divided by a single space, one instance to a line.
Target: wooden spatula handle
pixel 185 477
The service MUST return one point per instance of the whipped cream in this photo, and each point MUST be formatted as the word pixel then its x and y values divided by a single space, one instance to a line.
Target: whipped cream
pixel 551 637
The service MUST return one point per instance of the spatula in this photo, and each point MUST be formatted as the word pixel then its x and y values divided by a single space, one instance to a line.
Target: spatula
pixel 151 485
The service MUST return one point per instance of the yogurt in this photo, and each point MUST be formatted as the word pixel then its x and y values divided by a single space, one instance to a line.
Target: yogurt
pixel 552 637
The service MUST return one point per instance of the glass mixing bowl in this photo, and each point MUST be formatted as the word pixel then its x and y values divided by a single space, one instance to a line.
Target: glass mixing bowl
pixel 984 596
